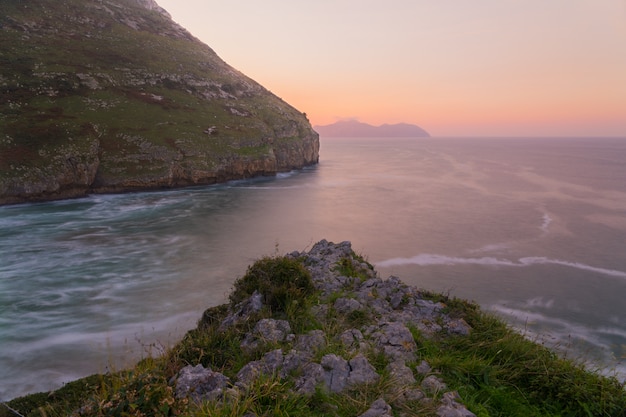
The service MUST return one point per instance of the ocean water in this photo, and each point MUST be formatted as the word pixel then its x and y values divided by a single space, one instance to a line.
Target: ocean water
pixel 532 229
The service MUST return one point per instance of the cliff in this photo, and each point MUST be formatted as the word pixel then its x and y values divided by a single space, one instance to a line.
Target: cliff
pixel 319 333
pixel 112 95
pixel 353 128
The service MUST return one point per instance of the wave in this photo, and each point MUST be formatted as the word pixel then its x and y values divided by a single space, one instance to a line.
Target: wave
pixel 275 187
pixel 426 259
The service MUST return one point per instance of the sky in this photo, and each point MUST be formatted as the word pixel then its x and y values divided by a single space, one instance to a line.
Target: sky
pixel 453 67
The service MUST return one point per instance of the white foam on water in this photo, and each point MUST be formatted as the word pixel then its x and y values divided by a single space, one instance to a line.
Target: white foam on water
pixel 275 187
pixel 494 247
pixel 540 260
pixel 282 175
pixel 540 302
pixel 545 225
pixel 426 259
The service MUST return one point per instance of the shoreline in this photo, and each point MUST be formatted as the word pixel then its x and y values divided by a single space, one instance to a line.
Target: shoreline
pixel 78 193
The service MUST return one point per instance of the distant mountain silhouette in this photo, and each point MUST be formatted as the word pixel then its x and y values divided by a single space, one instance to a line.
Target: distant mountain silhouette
pixel 354 128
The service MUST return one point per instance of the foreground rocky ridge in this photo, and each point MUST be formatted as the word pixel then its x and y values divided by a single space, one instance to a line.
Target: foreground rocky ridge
pixel 383 313
pixel 112 95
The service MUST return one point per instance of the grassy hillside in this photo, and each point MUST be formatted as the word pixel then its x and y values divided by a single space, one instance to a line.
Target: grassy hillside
pixel 113 95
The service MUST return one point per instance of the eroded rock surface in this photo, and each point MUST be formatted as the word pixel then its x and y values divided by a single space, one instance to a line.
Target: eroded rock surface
pixel 383 313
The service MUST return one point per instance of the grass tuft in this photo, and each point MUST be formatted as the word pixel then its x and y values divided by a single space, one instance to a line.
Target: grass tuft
pixel 283 282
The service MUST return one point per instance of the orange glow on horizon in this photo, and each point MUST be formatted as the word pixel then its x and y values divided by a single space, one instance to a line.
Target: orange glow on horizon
pixel 479 68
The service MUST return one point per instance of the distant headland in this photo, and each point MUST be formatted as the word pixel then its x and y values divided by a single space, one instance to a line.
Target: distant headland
pixel 354 128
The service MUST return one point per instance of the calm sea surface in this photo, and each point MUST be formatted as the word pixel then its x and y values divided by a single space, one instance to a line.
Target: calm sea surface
pixel 533 229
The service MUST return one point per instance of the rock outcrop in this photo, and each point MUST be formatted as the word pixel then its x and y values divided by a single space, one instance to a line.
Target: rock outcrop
pixel 383 313
pixel 112 95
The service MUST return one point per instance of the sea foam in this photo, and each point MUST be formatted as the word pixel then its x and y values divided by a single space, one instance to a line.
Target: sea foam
pixel 426 259
pixel 545 225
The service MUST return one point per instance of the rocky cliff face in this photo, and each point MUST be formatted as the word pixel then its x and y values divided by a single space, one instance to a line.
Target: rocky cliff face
pixel 112 95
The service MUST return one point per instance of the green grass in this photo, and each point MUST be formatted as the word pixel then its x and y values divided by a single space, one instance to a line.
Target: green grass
pixel 164 89
pixel 496 370
pixel 499 372
pixel 354 267
pixel 284 283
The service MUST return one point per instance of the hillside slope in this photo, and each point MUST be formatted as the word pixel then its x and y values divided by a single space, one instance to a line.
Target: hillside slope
pixel 113 95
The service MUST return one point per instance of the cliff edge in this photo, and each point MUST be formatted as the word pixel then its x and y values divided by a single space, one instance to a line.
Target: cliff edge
pixel 113 95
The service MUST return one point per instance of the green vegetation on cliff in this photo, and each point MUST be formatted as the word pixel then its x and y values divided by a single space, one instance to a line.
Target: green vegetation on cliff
pixel 410 353
pixel 112 95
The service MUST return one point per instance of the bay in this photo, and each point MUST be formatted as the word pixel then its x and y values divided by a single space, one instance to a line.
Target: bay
pixel 532 229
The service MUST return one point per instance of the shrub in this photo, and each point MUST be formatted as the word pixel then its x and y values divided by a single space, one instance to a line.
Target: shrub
pixel 282 281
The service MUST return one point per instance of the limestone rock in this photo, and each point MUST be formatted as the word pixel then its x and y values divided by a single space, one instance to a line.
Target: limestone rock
pixel 352 339
pixel 336 372
pixel 270 364
pixel 433 385
pixel 310 342
pixel 400 373
pixel 423 368
pixel 361 371
pixel 347 305
pixel 243 310
pixel 451 407
pixel 379 408
pixel 200 383
pixel 394 339
pixel 267 331
pixel 313 374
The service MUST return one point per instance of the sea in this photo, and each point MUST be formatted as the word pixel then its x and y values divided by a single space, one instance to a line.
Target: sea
pixel 531 229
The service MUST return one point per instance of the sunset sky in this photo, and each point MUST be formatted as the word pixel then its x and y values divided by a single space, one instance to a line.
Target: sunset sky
pixel 454 67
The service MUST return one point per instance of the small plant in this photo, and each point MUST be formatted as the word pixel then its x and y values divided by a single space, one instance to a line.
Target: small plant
pixel 358 318
pixel 213 316
pixel 283 282
pixel 211 347
pixel 266 396
pixel 352 268
pixel 137 393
